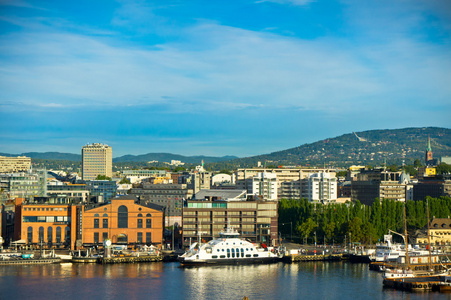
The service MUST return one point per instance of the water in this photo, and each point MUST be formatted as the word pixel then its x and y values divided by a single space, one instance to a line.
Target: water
pixel 316 280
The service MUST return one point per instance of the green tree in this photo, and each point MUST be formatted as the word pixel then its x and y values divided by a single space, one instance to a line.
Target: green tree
pixel 306 228
pixel 103 177
pixel 124 181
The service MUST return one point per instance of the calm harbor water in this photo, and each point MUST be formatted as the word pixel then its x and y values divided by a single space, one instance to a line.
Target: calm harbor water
pixel 316 280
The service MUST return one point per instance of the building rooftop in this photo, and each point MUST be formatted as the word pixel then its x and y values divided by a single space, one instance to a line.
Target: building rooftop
pixel 221 195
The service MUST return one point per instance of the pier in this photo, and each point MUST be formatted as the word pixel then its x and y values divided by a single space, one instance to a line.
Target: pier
pixel 27 261
pixel 319 257
pixel 129 259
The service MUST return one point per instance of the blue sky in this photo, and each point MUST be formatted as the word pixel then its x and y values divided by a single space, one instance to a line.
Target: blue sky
pixel 218 77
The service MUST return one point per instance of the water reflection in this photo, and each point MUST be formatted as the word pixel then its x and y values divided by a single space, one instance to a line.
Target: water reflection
pixel 315 280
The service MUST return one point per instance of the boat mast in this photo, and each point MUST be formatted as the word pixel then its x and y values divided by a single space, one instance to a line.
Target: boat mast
pixel 429 236
pixel 405 238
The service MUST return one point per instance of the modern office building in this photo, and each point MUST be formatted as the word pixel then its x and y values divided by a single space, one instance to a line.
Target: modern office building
pixel 24 184
pixel 170 196
pixel 211 211
pixel 75 191
pixel 283 174
pixel 96 159
pixel 14 164
pixel 372 184
pixel 101 190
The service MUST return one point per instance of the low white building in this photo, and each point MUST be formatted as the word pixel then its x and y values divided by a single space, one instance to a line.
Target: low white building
pixel 221 178
pixel 322 187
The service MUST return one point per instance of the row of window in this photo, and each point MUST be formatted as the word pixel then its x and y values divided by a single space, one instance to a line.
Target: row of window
pixel 139 225
pixel 45 208
pixel 49 219
pixel 49 240
pixel 123 238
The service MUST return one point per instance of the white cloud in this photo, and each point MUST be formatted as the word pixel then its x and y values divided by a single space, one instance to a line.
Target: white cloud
pixel 292 2
pixel 220 67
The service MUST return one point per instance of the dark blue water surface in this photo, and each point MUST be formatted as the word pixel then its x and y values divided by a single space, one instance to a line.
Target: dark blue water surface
pixel 316 280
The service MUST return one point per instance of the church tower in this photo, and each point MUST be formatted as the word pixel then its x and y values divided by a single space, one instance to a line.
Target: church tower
pixel 428 157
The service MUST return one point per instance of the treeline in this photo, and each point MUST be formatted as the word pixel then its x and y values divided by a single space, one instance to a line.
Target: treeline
pixel 355 221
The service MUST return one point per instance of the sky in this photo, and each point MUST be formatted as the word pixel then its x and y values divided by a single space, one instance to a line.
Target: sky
pixel 238 77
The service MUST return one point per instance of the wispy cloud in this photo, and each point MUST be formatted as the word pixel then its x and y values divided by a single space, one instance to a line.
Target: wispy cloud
pixel 145 68
pixel 292 2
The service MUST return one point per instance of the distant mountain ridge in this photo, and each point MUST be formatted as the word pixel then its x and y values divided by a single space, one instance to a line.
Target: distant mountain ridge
pixel 372 147
pixel 160 157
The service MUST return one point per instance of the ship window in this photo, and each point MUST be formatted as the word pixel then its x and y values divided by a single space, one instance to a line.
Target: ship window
pixel 255 255
pixel 214 256
pixel 219 250
pixel 222 250
pixel 248 255
pixel 222 256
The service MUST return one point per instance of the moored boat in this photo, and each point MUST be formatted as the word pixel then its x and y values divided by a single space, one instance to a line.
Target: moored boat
pixel 229 248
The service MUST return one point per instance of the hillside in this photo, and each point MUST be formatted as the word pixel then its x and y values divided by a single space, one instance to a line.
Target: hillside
pixel 371 147
pixel 160 157
pixel 167 157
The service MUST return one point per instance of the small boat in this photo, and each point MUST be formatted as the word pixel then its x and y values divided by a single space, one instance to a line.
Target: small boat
pixel 229 248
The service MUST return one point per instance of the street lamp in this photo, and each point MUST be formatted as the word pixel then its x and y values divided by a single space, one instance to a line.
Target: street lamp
pixel 315 239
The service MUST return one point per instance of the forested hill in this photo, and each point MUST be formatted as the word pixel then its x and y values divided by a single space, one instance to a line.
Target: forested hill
pixel 371 147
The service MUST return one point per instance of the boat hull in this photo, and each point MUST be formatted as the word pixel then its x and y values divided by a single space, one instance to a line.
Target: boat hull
pixel 229 261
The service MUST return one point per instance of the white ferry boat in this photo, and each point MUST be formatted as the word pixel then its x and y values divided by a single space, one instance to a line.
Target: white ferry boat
pixel 388 251
pixel 228 249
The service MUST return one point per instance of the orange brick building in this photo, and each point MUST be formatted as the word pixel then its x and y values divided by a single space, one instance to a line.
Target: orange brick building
pixel 124 222
pixel 47 224
pixel 60 223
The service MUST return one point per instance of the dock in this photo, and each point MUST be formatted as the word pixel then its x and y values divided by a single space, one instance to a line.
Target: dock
pixel 28 261
pixel 291 258
pixel 129 259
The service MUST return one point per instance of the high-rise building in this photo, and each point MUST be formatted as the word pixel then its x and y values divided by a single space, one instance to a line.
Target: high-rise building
pixel 96 159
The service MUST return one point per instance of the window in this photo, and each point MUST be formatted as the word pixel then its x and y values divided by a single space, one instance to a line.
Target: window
pixel 30 235
pixel 105 236
pixel 122 239
pixel 105 223
pixel 140 237
pixel 49 234
pixel 41 234
pixel 58 235
pixel 122 217
pixel 96 223
pixel 140 223
pixel 148 237
pixel 148 223
pixel 96 237
pixel 67 234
